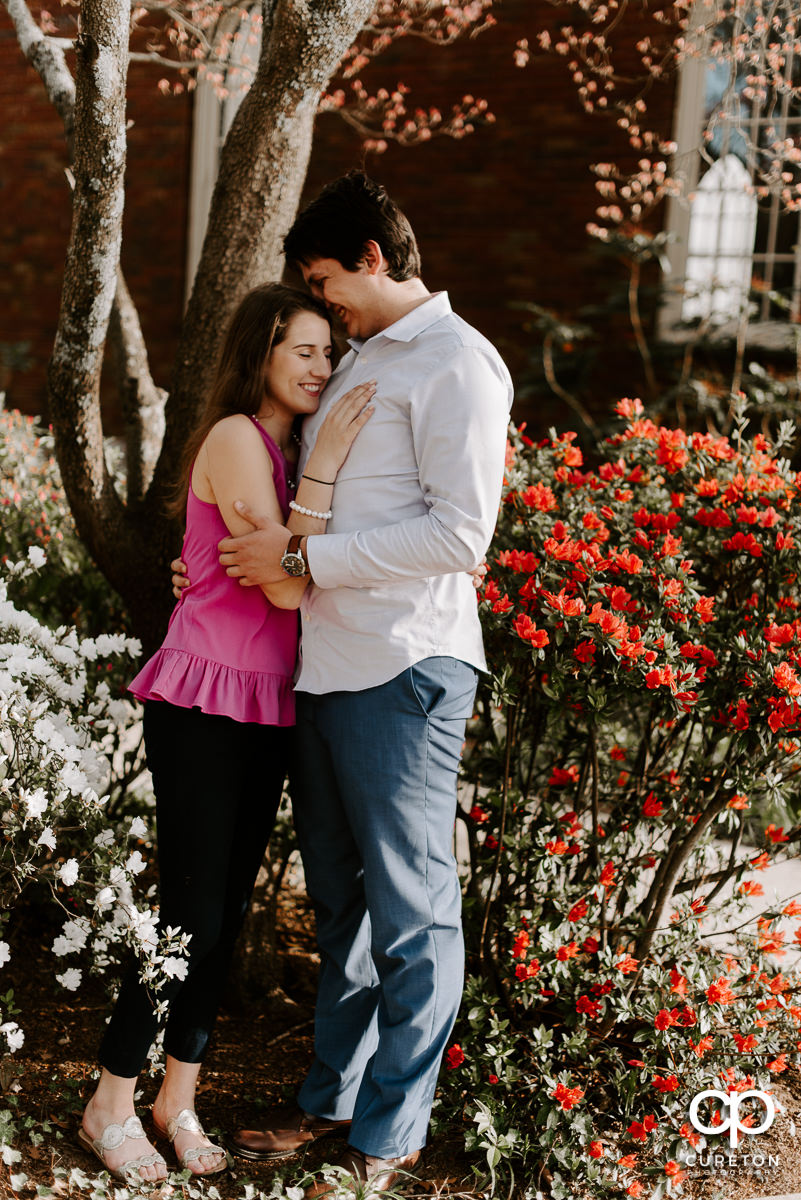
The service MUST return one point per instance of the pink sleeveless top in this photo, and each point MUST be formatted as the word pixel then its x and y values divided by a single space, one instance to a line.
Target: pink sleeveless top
pixel 228 650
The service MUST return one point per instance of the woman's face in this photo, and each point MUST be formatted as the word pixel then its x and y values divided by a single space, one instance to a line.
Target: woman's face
pixel 299 366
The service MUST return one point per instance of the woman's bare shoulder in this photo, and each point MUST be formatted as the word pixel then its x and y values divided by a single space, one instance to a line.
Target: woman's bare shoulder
pixel 232 431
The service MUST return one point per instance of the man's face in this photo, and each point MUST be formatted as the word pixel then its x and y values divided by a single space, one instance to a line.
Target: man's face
pixel 350 296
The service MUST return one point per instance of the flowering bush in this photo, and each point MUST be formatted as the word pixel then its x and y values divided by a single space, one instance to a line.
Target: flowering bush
pixel 34 512
pixel 65 749
pixel 642 618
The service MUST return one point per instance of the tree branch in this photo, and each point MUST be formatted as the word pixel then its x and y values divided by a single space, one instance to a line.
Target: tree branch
pixel 142 402
pixel 48 61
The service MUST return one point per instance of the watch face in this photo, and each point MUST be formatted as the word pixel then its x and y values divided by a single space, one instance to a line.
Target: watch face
pixel 293 564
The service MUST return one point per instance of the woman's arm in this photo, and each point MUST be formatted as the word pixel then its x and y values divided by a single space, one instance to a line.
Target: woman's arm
pixel 235 468
pixel 233 463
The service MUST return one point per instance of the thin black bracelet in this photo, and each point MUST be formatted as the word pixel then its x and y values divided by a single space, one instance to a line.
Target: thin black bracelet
pixel 311 479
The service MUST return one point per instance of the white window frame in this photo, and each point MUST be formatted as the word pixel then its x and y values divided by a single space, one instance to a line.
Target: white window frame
pixel 762 329
pixel 212 117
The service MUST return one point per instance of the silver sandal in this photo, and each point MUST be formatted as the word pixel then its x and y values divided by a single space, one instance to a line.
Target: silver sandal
pixel 112 1137
pixel 187 1120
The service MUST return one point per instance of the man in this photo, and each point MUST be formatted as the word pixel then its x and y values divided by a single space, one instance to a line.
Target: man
pixel 390 648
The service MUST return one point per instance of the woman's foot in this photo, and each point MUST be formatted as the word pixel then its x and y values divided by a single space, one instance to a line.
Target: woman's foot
pixel 119 1141
pixel 194 1151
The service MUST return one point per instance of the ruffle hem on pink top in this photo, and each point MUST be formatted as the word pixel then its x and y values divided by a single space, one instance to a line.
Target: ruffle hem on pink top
pixel 189 681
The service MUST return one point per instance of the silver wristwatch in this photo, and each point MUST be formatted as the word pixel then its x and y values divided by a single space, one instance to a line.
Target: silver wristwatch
pixel 293 560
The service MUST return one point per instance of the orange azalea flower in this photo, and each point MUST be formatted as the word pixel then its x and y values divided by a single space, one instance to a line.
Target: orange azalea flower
pixel 669 1083
pixel 521 944
pixel 562 776
pixel 706 1043
pixel 652 807
pixel 674 1171
pixel 455 1057
pixel 678 982
pixel 567 1097
pixel 720 992
pixel 607 876
pixel 525 628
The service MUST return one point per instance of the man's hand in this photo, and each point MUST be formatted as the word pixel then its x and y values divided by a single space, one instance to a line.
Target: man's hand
pixel 478 574
pixel 255 558
pixel 180 578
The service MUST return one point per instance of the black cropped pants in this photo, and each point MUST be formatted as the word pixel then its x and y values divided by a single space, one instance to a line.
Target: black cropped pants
pixel 218 785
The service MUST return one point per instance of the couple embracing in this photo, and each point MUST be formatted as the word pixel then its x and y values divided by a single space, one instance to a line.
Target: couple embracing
pixel 372 528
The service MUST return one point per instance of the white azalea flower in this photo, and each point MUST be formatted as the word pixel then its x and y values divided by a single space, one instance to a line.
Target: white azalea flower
pixel 137 828
pixel 68 872
pixel 5 953
pixel 73 779
pixel 13 1035
pixel 135 863
pixel 105 838
pixel 47 838
pixel 36 556
pixel 104 898
pixel 71 979
pixel 36 803
pixel 143 924
pixel 175 968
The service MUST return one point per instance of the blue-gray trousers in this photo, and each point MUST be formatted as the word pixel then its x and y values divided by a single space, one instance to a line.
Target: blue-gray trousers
pixel 374 787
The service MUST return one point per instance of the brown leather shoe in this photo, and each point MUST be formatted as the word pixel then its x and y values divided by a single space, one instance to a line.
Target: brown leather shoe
pixel 381 1173
pixel 288 1131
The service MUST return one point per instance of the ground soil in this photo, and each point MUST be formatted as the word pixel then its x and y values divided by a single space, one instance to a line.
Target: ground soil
pixel 258 1058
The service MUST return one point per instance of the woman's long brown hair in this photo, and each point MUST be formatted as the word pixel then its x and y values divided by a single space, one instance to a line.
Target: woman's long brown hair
pixel 257 327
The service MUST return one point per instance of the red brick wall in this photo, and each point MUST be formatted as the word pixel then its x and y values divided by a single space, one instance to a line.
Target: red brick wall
pixel 35 218
pixel 500 215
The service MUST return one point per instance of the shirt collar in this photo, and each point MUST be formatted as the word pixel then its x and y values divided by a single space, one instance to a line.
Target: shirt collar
pixel 413 323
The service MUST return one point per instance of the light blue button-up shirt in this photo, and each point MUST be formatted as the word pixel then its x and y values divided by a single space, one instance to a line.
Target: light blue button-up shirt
pixel 414 506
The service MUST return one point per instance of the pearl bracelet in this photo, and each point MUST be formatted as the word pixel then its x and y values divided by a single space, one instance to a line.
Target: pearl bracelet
pixel 309 512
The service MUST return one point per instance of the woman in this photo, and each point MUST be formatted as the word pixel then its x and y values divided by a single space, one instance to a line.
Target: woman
pixel 218 698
